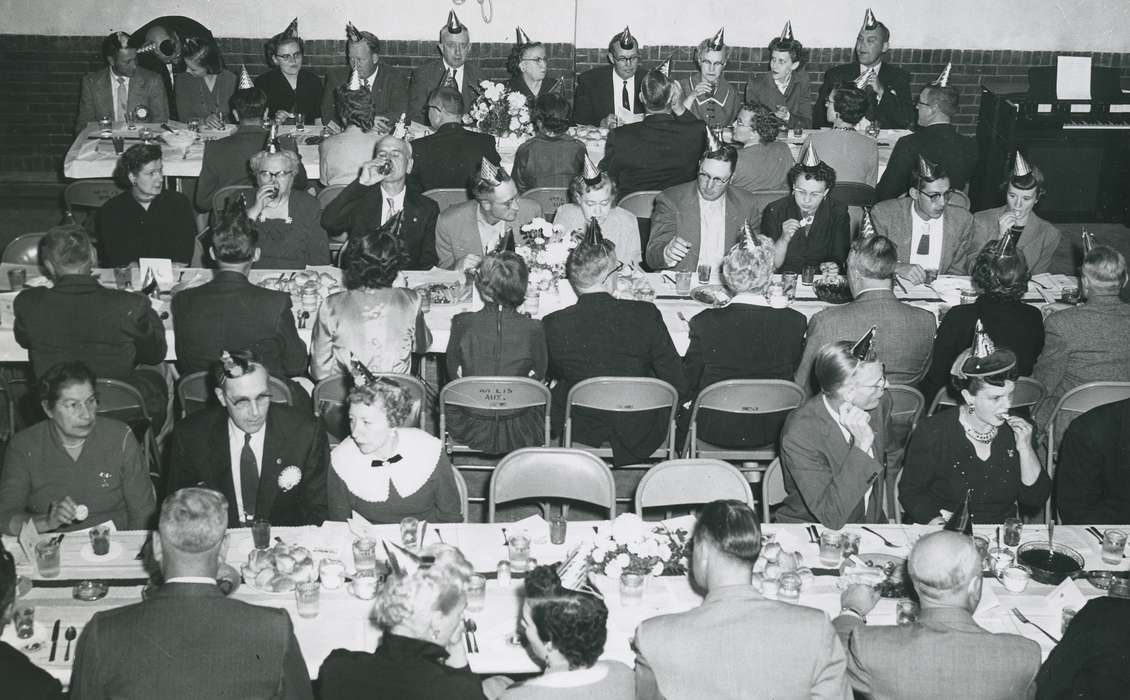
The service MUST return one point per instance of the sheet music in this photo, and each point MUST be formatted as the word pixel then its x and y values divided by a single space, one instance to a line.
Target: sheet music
pixel 1073 78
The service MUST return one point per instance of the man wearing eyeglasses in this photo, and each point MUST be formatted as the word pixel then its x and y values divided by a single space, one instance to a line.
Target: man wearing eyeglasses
pixel 929 232
pixel 693 225
pixel 269 460
pixel 451 69
pixel 609 96
pixel 490 222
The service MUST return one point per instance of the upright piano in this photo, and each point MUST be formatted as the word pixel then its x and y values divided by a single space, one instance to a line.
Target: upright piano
pixel 1081 146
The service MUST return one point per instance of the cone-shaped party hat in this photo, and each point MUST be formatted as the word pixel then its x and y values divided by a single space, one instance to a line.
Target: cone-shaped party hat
pixel 354 80
pixel 864 347
pixel 983 358
pixel 1020 166
pixel 713 143
pixel 869 21
pixel 664 68
pixel 1088 241
pixel 593 234
pixel 272 145
pixel 400 129
pixel 352 34
pixel 787 32
pixel 245 81
pixel 454 26
pixel 523 38
pixel 717 42
pixel 291 30
pixel 809 159
pixel 492 174
pixel 944 77
pixel 867 226
pixel 591 173
pixel 925 168
pixel 626 40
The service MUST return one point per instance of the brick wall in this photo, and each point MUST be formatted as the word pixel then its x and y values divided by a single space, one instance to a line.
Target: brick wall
pixel 39 79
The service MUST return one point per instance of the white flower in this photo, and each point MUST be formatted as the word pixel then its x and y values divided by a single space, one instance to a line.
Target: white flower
pixel 515 124
pixel 516 100
pixel 613 570
pixel 657 569
pixel 289 478
pixel 540 240
pixel 627 527
pixel 622 560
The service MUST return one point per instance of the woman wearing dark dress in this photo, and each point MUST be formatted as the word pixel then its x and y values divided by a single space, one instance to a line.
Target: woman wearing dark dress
pixel 496 340
pixel 422 654
pixel 746 340
pixel 290 88
pixel 552 158
pixel 145 221
pixel 289 221
pixel 1010 323
pixel 528 66
pixel 807 225
pixel 386 472
pixel 978 448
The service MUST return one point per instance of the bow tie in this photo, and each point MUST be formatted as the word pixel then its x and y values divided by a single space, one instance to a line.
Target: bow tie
pixel 381 462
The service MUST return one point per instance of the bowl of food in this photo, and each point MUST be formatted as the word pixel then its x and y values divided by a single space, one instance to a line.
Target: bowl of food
pixel 1052 564
pixel 179 139
pixel 832 289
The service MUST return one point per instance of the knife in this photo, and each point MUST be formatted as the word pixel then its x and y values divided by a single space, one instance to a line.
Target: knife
pixel 54 639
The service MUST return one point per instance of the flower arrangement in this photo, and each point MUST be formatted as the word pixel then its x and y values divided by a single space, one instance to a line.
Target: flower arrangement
pixel 499 111
pixel 633 547
pixel 545 248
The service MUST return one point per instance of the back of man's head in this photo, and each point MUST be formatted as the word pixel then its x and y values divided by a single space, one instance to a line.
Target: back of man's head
pixel 731 528
pixel 235 238
pixel 66 250
pixel 873 258
pixel 589 264
pixel 249 104
pixel 945 568
pixel 656 91
pixel 1104 270
pixel 945 99
pixel 448 99
pixel 192 526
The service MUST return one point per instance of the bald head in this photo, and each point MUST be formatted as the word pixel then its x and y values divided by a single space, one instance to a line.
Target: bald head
pixel 946 570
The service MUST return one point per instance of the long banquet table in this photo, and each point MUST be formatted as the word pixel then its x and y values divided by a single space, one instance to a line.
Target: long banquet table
pixel 343 621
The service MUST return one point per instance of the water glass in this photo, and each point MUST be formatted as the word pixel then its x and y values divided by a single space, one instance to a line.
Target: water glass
pixel 683 283
pixel 704 274
pixel 503 574
pixel 47 557
pixel 631 589
pixel 1000 558
pixel 123 277
pixel 557 528
pixel 850 542
pixel 23 619
pixel 1114 545
pixel 906 612
pixel 119 144
pixel 365 554
pixel 364 585
pixel 100 540
pixel 261 533
pixel 1013 527
pixel 931 276
pixel 410 532
pixel 808 275
pixel 131 120
pixel 105 126
pixel 300 122
pixel 518 551
pixel 194 125
pixel 331 572
pixel 307 595
pixel 476 593
pixel 17 278
pixel 831 547
pixel 788 281
pixel 788 587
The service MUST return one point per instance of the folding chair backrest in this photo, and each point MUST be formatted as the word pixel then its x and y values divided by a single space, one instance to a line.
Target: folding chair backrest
pixel 1073 404
pixel 446 197
pixel 1028 392
pixel 461 487
pixel 623 395
pixel 750 396
pixel 550 199
pixel 490 393
pixel 681 482
pixel 763 198
pixel 23 249
pixel 552 473
pixel 82 196
pixel 329 194
pixel 224 194
pixel 906 409
pixel 772 488
pixel 853 194
pixel 331 406
pixel 640 203
pixel 194 392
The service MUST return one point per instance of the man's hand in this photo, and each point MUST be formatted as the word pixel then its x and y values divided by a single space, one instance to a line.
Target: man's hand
pixel 371 173
pixel 859 597
pixel 470 262
pixel 858 423
pixel 1005 223
pixel 911 273
pixel 281 116
pixel 676 250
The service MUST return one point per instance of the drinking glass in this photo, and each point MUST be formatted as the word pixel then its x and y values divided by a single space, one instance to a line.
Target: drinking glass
pixel 788 281
pixel 300 122
pixel 1013 527
pixel 557 528
pixel 364 585
pixel 476 593
pixel 683 283
pixel 704 274
pixel 931 276
pixel 17 278
pixel 831 547
pixel 261 533
pixel 808 274
pixel 410 532
pixel 119 144
pixel 23 619
pixel 788 586
pixel 1000 558
pixel 131 120
pixel 365 554
pixel 100 540
pixel 105 126
pixel 308 596
pixel 631 589
pixel 1114 544
pixel 123 277
pixel 47 557
pixel 850 541
pixel 332 573
pixel 194 125
pixel 906 612
pixel 518 547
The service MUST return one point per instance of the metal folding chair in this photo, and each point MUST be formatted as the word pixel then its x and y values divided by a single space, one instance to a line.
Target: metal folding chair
pixel 748 397
pixel 446 197
pixel 82 197
pixel 550 199
pixel 23 249
pixel 623 395
pixel 691 482
pixel 193 392
pixel 772 488
pixel 906 410
pixel 639 203
pixel 1028 392
pixel 489 393
pixel 330 402
pixel 552 473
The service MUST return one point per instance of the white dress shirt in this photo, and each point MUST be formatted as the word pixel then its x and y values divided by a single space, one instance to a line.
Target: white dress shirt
pixel 489 234
pixel 921 227
pixel 618 84
pixel 392 203
pixel 235 450
pixel 458 76
pixel 712 234
pixel 847 436
pixel 115 86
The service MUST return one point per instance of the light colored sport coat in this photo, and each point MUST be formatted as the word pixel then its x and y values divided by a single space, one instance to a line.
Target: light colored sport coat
pixel 892 219
pixel 457 230
pixel 676 213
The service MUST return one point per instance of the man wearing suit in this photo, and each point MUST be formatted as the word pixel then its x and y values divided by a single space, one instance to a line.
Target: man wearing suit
pixel 697 223
pixel 389 87
pixel 603 336
pixel 661 151
pixel 609 95
pixel 121 88
pixel 268 460
pixel 937 140
pixel 1086 343
pixel 905 333
pixel 1093 475
pixel 944 653
pixel 374 197
pixel 452 69
pixel 168 34
pixel 450 156
pixel 1091 659
pixel 711 652
pixel 929 233
pixel 889 84
pixel 187 639
pixel 493 220
pixel 225 161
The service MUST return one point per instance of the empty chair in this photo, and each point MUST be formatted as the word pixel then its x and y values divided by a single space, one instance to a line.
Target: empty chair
pixel 547 474
pixel 331 395
pixel 225 194
pixel 82 197
pixel 853 194
pixel 639 203
pixel 906 410
pixel 484 395
pixel 122 401
pixel 749 397
pixel 194 392
pixel 464 501
pixel 691 482
pixel 446 197
pixel 23 249
pixel 623 395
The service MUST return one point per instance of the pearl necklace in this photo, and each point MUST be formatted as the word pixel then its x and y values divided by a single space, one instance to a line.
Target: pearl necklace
pixel 984 437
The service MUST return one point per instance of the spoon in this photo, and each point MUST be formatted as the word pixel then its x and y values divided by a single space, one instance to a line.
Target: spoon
pixel 69 635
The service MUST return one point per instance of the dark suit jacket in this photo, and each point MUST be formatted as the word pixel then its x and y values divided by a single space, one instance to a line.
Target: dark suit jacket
pixel 183 27
pixel 305 100
pixel 892 218
pixel 188 641
pixel 894 111
pixel 592 96
pixel 358 210
pixel 390 93
pixel 230 312
pixel 921 660
pixel 827 239
pixel 112 331
pixel 429 76
pixel 659 152
pixel 402 668
pixel 226 162
pixel 676 213
pixel 602 336
pixel 23 679
pixel 96 97
pixel 1093 658
pixel 449 157
pixel 1092 480
pixel 199 456
pixel 941 144
pixel 825 477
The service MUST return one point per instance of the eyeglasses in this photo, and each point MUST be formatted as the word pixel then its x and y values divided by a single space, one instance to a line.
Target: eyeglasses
pixel 936 197
pixel 708 179
pixel 71 406
pixel 619 266
pixel 806 195
pixel 920 103
pixel 883 383
pixel 540 60
pixel 275 174
pixel 244 403
pixel 296 56
pixel 627 59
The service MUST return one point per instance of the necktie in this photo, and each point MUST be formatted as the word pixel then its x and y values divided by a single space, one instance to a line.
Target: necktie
pixel 365 84
pixel 123 98
pixel 451 82
pixel 924 242
pixel 248 476
pixel 625 98
pixel 390 208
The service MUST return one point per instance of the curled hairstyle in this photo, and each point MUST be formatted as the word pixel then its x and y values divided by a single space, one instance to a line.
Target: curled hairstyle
pixel 702 48
pixel 821 172
pixel 551 113
pixel 1034 180
pixel 67 248
pixel 204 51
pixel 1104 266
pixel 656 91
pixel 248 102
pixel 974 385
pixel 502 279
pixel 765 123
pixel 588 264
pixel 745 270
pixel 389 395
pixel 441 586
pixel 874 257
pixel 372 261
pixel 1000 278
pixel 272 46
pixel 726 153
pixel 58 377
pixel 291 158
pixel 514 60
pixel 576 623
pixel 235 237
pixel 193 520
pixel 355 107
pixel 850 102
pixel 578 188
pixel 834 365
pixel 731 526
pixel 794 47
pixel 132 161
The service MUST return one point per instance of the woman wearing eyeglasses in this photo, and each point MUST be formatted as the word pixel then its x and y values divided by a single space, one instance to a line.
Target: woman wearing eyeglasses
pixel 528 69
pixel 706 94
pixel 290 89
pixel 288 221
pixel 807 225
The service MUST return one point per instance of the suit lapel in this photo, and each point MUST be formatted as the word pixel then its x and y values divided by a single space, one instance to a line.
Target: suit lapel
pixel 270 469
pixel 221 462
pixel 105 89
pixel 949 242
pixel 733 221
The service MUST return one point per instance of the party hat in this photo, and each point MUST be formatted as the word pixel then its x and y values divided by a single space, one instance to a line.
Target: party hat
pixel 123 39
pixel 626 40
pixel 867 226
pixel 492 174
pixel 362 375
pixel 351 33
pixel 354 80
pixel 1007 244
pixel 558 88
pixel 593 234
pixel 869 21
pixel 245 82
pixel 747 240
pixel 400 130
pixel 809 159
pixel 1020 166
pixel 865 79
pixel 291 31
pixel 713 143
pixel 717 42
pixel 272 146
pixel 234 367
pixel 1088 241
pixel 149 284
pixel 983 358
pixel 392 226
pixel 591 173
pixel 944 78
pixel 864 347
pixel 664 68
pixel 523 38
pixel 454 26
pixel 787 32
pixel 925 168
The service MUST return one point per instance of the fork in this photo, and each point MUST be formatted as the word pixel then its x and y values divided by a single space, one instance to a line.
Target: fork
pixel 1020 616
pixel 1095 531
pixel 812 534
pixel 472 641
pixel 885 540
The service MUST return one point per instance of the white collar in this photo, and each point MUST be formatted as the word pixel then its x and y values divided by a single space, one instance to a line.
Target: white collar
pixel 373 76
pixel 571 679
pixel 447 69
pixel 873 289
pixel 419 455
pixel 878 64
pixel 236 432
pixel 704 203
pixel 927 222
pixel 192 579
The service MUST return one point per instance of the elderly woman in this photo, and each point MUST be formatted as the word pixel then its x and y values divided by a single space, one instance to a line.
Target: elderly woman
pixel 75 469
pixel 497 340
pixel 706 94
pixel 288 220
pixel 552 158
pixel 853 155
pixel 290 89
pixel 385 471
pixel 763 162
pixel 422 653
pixel 1001 281
pixel 144 221
pixel 528 68
pixel 341 155
pixel 784 90
pixel 746 340
pixel 807 225
pixel 978 448
pixel 1036 238
pixel 595 198
pixel 832 446
pixel 371 322
pixel 205 88
pixel 565 632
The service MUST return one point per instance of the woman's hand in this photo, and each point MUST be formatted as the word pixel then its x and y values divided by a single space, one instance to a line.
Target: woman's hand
pixel 1023 431
pixel 456 648
pixel 783 114
pixel 858 423
pixel 1005 223
pixel 1029 463
pixel 265 196
pixel 789 228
